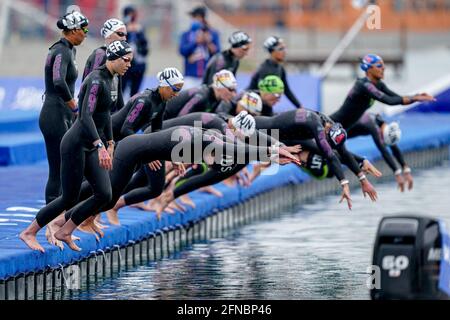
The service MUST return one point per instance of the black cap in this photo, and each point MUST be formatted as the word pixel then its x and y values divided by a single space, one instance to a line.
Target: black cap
pixel 117 49
pixel 198 11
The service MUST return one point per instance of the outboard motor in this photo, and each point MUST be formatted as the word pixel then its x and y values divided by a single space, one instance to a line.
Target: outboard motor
pixel 408 253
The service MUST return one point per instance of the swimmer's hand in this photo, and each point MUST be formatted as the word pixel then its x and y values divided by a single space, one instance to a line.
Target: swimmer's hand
pixel 104 159
pixel 400 182
pixel 408 178
pixel 282 156
pixel 155 165
pixel 369 190
pixel 243 178
pixel 424 97
pixel 346 196
pixel 369 168
pixel 293 149
pixel 179 168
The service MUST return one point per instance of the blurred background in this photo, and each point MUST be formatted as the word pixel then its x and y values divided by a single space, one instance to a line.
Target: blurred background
pixel 414 40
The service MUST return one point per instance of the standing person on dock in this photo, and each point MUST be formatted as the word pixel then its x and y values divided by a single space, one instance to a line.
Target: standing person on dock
pixel 59 107
pixel 274 66
pixel 369 89
pixel 138 41
pixel 82 151
pixel 112 30
pixel 229 59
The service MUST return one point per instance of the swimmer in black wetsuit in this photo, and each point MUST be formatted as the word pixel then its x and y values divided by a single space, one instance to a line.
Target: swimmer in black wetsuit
pixel 178 144
pixel 315 165
pixel 204 98
pixel 384 135
pixel 147 107
pixel 229 59
pixel 59 105
pixel 112 30
pixel 82 151
pixel 140 190
pixel 304 124
pixel 300 124
pixel 274 66
pixel 368 90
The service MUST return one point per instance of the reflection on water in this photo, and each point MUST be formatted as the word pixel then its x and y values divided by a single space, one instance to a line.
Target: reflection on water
pixel 319 251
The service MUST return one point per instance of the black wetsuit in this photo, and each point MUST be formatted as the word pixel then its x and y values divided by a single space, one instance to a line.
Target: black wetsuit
pixel 370 124
pixel 360 98
pixel 270 67
pixel 56 117
pixel 141 110
pixel 316 165
pixel 140 189
pixel 139 149
pixel 97 59
pixel 222 60
pixel 78 154
pixel 230 107
pixel 199 99
pixel 304 124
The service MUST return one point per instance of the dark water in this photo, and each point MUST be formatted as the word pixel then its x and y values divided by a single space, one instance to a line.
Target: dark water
pixel 319 251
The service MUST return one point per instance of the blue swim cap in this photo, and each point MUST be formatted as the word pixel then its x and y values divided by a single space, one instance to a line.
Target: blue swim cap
pixel 369 60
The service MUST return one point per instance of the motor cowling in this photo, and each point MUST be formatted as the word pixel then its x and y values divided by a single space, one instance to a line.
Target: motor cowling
pixel 407 252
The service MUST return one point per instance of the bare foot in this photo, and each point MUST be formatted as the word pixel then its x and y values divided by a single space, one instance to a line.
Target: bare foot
pixel 169 210
pixel 156 203
pixel 88 229
pixel 30 240
pixel 97 229
pixel 113 217
pixel 230 182
pixel 90 223
pixel 29 236
pixel 50 235
pixel 185 199
pixel 98 221
pixel 67 238
pixel 141 206
pixel 151 205
pixel 212 190
pixel 176 206
pixel 100 225
pixel 65 234
pixel 164 201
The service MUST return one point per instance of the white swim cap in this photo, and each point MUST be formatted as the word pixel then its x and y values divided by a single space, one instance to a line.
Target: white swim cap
pixel 110 26
pixel 224 79
pixel 392 133
pixel 170 77
pixel 245 123
pixel 251 101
